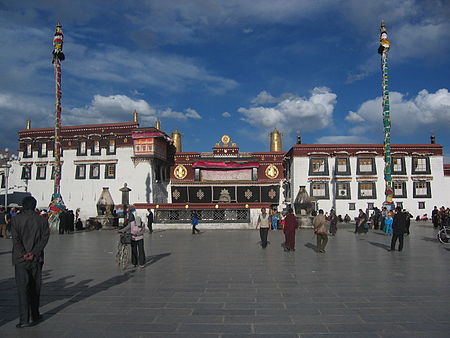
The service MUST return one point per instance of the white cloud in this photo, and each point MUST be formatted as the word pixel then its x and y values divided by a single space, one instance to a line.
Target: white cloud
pixel 189 113
pixel 426 110
pixel 263 98
pixel 343 139
pixel 113 108
pixel 226 114
pixel 295 112
pixel 354 117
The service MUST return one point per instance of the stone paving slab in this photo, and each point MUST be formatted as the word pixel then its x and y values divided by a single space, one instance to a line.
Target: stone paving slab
pixel 223 284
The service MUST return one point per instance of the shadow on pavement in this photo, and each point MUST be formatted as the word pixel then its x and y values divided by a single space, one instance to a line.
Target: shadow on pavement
pixel 380 245
pixel 54 291
pixel 429 239
pixel 311 246
pixel 153 259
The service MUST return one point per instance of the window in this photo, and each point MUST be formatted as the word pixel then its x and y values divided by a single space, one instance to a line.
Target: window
pixel 80 172
pixel 95 171
pixel 421 205
pixel 400 205
pixel 197 174
pixel 111 150
pixel 3 181
pixel 110 170
pixel 26 172
pixel 95 148
pixel 399 189
pixel 320 190
pixel 421 165
pixel 318 166
pixel 370 206
pixel 342 166
pixel 366 190
pixel 422 189
pixel 351 206
pixel 81 151
pixel 398 166
pixel 254 174
pixel 343 190
pixel 42 150
pixel 366 166
pixel 27 151
pixel 40 173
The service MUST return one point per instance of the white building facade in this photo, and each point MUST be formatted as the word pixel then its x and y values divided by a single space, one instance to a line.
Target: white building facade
pixel 93 157
pixel 351 177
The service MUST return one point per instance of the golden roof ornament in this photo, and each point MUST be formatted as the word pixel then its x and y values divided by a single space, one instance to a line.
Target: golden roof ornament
pixel 226 140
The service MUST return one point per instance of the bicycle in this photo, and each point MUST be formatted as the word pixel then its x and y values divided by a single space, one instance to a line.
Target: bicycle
pixel 443 235
pixel 123 255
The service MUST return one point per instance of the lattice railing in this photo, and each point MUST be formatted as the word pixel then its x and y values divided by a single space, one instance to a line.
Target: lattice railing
pixel 204 215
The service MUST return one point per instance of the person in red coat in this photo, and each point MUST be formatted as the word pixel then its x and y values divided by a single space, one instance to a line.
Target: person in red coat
pixel 289 230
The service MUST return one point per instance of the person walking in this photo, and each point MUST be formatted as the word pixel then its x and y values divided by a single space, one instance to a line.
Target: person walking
pixel 30 234
pixel 137 238
pixel 361 223
pixel 290 226
pixel 333 222
pixel 3 231
pixel 398 229
pixel 150 220
pixel 194 222
pixel 263 224
pixel 320 229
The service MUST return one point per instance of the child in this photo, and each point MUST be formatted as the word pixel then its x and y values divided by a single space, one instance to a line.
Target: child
pixel 388 224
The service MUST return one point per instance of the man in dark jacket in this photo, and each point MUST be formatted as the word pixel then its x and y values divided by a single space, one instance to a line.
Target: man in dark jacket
pixel 30 234
pixel 150 220
pixel 398 229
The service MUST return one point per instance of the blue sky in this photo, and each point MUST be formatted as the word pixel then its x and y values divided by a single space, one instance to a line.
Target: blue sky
pixel 231 67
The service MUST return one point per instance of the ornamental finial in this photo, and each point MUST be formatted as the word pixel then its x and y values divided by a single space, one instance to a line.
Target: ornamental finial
pixel 58 41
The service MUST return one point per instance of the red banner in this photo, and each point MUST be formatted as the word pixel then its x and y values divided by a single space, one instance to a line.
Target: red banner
pixel 225 164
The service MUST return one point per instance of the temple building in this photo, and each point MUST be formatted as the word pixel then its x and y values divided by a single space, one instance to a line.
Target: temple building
pixel 94 156
pixel 349 177
pixel 225 187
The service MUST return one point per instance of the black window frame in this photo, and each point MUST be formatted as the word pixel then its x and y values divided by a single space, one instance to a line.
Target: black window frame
pixel 25 150
pixel 404 194
pixel 327 190
pixel 348 172
pixel 52 175
pixel 3 180
pixel 428 194
pixel 421 205
pixel 403 163
pixel 38 171
pixel 107 166
pixel 40 153
pixel 338 196
pixel 26 174
pixel 79 153
pixel 108 151
pixel 374 190
pixel 77 172
pixel 399 204
pixel 93 148
pixel 358 164
pixel 427 166
pixel 91 171
pixel 352 206
pixel 326 171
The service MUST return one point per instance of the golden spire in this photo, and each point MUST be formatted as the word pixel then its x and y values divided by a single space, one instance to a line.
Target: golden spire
pixel 276 141
pixel 176 137
pixel 28 124
pixel 158 124
pixel 135 117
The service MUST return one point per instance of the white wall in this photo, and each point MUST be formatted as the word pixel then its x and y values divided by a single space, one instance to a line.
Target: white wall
pixel 440 185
